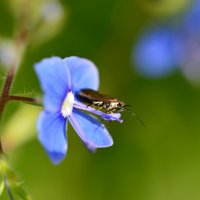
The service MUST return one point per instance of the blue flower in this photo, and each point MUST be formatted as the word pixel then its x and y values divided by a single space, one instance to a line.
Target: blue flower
pixel 154 53
pixel 61 80
pixel 190 21
pixel 173 44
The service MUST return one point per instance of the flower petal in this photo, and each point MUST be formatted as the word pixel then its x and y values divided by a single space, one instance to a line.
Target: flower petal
pixel 54 77
pixel 91 131
pixel 104 116
pixel 83 73
pixel 52 134
pixel 90 147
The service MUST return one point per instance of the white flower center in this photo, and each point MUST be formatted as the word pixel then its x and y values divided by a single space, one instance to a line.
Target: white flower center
pixel 67 105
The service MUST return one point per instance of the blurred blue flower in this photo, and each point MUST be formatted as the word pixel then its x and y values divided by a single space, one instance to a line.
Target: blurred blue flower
pixel 190 20
pixel 154 54
pixel 190 35
pixel 61 80
pixel 176 43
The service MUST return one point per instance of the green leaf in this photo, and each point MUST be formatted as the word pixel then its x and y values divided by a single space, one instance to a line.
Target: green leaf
pixel 12 181
pixel 1 185
pixel 19 190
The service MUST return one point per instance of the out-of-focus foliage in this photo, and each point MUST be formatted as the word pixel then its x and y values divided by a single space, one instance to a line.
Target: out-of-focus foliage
pixel 7 52
pixel 164 8
pixel 158 162
pixel 20 127
pixel 43 19
pixel 9 181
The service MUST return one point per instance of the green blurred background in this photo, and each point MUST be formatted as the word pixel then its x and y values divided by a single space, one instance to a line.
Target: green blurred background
pixel 158 162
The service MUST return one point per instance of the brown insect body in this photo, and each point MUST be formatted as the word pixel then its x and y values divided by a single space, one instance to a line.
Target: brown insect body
pixel 96 99
pixel 101 101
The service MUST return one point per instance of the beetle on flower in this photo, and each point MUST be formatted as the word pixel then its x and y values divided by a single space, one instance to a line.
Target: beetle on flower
pixel 61 80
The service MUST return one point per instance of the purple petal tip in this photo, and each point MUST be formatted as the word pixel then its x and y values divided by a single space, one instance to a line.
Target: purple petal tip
pixel 56 157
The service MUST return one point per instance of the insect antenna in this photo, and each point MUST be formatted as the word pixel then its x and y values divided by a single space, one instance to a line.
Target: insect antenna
pixel 107 126
pixel 132 113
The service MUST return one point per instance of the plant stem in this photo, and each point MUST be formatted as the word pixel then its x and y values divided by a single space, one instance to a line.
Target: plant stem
pixel 20 43
pixel 8 188
pixel 8 82
pixel 4 95
pixel 6 89
pixel 1 149
pixel 31 100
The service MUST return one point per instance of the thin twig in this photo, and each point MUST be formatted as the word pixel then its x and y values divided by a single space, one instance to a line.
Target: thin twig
pixel 1 148
pixel 8 82
pixel 6 89
pixel 8 188
pixel 25 99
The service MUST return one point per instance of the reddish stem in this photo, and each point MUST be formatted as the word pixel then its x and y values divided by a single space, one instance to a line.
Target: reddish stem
pixel 4 98
pixel 1 149
pixel 8 82
pixel 6 89
pixel 5 94
pixel 24 99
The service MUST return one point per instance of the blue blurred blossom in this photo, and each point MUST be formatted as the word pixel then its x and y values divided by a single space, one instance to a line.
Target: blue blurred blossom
pixel 61 80
pixel 162 49
pixel 191 22
pixel 155 53
pixel 190 29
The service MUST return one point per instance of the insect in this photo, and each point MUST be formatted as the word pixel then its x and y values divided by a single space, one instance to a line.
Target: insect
pixel 101 101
